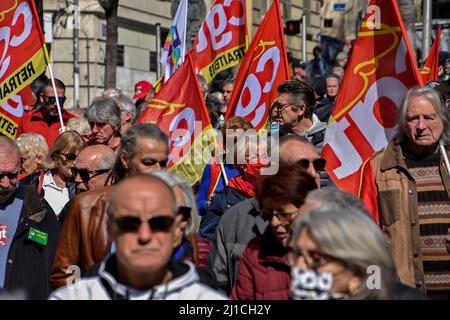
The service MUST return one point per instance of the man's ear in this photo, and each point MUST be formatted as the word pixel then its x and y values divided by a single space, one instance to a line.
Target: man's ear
pixel 127 117
pixel 301 110
pixel 123 160
pixel 180 226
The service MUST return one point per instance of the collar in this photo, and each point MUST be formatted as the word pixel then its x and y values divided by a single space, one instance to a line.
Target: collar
pixel 183 274
pixel 271 250
pixel 50 182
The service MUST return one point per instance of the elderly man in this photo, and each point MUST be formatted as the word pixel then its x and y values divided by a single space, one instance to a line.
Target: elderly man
pixel 104 118
pixel 29 231
pixel 45 120
pixel 295 105
pixel 242 222
pixel 414 193
pixel 325 107
pixel 144 225
pixel 84 238
pixel 126 106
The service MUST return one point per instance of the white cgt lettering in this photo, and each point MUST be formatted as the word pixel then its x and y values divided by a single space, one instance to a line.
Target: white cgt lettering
pixel 181 135
pixel 254 87
pixel 5 35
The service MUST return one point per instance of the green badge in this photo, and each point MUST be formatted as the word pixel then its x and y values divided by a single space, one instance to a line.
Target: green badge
pixel 38 236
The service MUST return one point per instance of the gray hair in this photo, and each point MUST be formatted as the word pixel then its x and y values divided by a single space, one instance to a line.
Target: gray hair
pixel 433 97
pixel 32 145
pixel 123 101
pixel 128 143
pixel 333 198
pixel 104 110
pixel 353 238
pixel 173 180
pixel 334 76
pixel 80 125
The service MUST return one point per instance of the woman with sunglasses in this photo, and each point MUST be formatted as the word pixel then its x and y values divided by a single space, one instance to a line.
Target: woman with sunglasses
pixel 264 271
pixel 56 184
pixel 341 253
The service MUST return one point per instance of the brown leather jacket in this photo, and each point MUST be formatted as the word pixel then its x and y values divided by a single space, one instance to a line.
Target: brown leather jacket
pixel 398 208
pixel 84 239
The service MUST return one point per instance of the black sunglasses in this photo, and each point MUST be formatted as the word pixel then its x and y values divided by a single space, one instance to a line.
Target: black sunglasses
pixel 10 175
pixel 319 164
pixel 52 100
pixel 156 223
pixel 185 212
pixel 86 174
pixel 69 156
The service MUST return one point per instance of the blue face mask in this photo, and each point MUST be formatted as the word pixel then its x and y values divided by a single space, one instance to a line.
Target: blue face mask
pixel 274 127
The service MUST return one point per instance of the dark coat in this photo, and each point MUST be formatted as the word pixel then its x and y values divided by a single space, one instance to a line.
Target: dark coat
pixel 264 272
pixel 29 263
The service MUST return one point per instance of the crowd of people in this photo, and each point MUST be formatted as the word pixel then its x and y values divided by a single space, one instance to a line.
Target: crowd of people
pixel 90 212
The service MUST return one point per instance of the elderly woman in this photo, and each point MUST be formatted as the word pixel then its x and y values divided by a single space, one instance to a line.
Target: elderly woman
pixel 58 184
pixel 188 209
pixel 340 253
pixel 33 152
pixel 80 125
pixel 264 271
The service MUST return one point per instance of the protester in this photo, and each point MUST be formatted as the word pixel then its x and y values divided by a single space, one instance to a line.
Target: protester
pixel 143 92
pixel 414 193
pixel 45 121
pixel 233 124
pixel 264 272
pixel 185 200
pixel 227 89
pixel 242 222
pixel 144 226
pixel 335 247
pixel 126 106
pixel 80 125
pixel 103 116
pixel 33 153
pixel 317 66
pixel 215 103
pixel 339 71
pixel 58 184
pixel 325 107
pixel 29 231
pixel 341 60
pixel 295 105
pixel 299 70
pixel 443 90
pixel 84 239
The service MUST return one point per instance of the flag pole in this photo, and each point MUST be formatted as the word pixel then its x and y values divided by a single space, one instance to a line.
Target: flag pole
pixel 57 99
pixel 444 155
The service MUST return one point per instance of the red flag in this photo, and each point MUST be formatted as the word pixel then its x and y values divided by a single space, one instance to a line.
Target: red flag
pixel 23 58
pixel 179 109
pixel 380 71
pixel 222 40
pixel 265 66
pixel 431 67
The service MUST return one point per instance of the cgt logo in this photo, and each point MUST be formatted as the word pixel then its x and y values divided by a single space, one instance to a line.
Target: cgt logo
pixel 3 234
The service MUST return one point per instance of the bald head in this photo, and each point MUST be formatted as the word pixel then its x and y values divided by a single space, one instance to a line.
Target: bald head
pixel 9 168
pixel 96 157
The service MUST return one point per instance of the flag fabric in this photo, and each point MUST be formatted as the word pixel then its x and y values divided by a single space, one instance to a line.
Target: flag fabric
pixel 431 67
pixel 380 71
pixel 263 69
pixel 174 48
pixel 179 110
pixel 222 40
pixel 23 58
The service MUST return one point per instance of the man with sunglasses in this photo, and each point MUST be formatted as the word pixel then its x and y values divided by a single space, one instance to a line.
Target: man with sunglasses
pixel 29 231
pixel 295 104
pixel 45 120
pixel 145 226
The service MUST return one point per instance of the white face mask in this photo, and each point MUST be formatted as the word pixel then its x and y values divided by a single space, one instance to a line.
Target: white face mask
pixel 312 285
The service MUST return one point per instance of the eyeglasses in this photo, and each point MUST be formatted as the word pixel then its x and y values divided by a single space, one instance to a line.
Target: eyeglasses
pixel 68 156
pixel 284 217
pixel 52 100
pixel 319 164
pixel 10 175
pixel 185 212
pixel 156 223
pixel 314 259
pixel 86 174
pixel 280 107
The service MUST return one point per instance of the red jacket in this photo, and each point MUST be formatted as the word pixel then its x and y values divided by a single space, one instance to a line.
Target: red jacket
pixel 35 122
pixel 264 272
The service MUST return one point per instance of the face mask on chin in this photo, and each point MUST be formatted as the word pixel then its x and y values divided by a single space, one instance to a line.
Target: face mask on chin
pixel 312 285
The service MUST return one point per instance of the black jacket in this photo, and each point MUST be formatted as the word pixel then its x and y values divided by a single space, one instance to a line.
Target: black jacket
pixel 29 263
